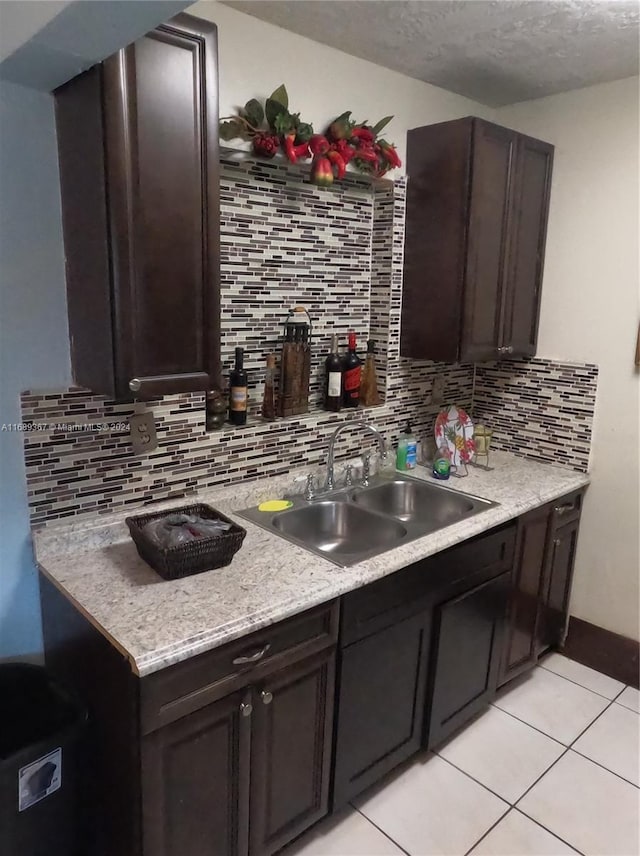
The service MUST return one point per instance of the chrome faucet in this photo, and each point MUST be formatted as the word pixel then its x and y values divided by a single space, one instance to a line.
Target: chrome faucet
pixel 330 485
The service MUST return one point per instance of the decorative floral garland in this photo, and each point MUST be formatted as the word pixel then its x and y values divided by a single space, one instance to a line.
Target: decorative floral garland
pixel 344 141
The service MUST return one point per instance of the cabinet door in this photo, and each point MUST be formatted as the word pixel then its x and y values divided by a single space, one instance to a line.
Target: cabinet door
pixel 528 229
pixel 519 651
pixel 291 752
pixel 468 643
pixel 160 114
pixel 491 187
pixel 563 542
pixel 195 782
pixel 381 704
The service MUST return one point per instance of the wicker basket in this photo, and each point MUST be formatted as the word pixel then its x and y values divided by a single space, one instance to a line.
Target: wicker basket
pixel 194 557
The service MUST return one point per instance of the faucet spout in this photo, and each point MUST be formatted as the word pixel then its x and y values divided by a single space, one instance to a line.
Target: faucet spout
pixel 330 483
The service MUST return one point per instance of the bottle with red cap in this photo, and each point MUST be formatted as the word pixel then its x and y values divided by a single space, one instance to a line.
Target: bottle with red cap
pixel 352 374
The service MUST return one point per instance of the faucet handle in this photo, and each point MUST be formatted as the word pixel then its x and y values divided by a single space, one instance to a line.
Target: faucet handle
pixel 348 475
pixel 310 487
pixel 366 468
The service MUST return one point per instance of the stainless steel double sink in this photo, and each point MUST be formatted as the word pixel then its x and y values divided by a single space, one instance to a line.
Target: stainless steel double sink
pixel 357 523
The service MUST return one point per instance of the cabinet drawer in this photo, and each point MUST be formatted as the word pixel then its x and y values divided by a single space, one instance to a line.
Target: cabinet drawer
pixel 409 591
pixel 188 686
pixel 566 508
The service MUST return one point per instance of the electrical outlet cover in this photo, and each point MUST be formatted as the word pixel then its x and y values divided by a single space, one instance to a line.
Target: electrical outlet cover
pixel 142 431
pixel 437 390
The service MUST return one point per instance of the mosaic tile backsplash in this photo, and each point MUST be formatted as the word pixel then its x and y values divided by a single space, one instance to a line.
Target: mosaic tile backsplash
pixel 339 253
pixel 541 409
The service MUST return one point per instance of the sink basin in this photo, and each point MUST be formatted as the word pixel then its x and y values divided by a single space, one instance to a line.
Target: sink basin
pixel 352 524
pixel 417 502
pixel 340 530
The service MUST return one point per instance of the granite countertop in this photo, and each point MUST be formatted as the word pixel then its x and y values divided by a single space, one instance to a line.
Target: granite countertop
pixel 155 623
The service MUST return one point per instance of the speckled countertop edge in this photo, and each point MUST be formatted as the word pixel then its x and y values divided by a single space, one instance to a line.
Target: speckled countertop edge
pixel 156 623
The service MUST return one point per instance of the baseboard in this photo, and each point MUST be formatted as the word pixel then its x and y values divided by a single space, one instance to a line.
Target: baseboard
pixel 607 652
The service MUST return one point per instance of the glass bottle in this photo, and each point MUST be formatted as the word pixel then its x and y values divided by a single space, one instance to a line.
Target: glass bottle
pixel 333 377
pixel 238 391
pixel 351 374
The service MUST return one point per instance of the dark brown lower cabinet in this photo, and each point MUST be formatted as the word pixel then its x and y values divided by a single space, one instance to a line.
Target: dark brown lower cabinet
pixel 195 781
pixel 291 743
pixel 520 650
pixel 381 709
pixel 554 608
pixel 246 774
pixel 467 641
pixel 541 583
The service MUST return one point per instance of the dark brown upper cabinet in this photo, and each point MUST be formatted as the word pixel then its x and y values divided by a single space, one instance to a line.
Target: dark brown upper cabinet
pixel 477 207
pixel 139 170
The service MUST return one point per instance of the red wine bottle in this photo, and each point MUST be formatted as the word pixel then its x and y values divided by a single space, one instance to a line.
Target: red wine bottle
pixel 352 372
pixel 333 377
pixel 238 391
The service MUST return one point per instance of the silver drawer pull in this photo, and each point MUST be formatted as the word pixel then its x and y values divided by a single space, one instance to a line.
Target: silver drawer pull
pixel 266 697
pixel 246 708
pixel 251 658
pixel 562 509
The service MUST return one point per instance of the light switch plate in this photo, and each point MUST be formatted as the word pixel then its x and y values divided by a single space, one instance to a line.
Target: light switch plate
pixel 142 431
pixel 437 390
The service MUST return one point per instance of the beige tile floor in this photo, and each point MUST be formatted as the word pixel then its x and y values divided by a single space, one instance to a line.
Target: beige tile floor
pixel 551 768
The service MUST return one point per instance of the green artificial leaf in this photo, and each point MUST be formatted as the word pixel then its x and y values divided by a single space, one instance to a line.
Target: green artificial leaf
pixel 381 124
pixel 272 110
pixel 232 130
pixel 281 96
pixel 254 113
pixel 283 123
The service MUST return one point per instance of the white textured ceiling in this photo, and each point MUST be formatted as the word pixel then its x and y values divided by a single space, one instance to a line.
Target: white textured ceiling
pixel 494 52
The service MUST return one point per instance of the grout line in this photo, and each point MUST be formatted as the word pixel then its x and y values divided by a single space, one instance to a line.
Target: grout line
pixel 524 722
pixel 493 826
pixel 577 684
pixel 517 803
pixel 477 781
pixel 613 772
pixel 375 825
pixel 542 826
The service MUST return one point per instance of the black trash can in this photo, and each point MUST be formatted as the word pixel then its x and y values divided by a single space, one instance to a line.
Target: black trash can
pixel 41 734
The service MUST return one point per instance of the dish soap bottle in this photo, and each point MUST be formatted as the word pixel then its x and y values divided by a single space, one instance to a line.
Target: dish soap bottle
pixel 442 463
pixel 407 456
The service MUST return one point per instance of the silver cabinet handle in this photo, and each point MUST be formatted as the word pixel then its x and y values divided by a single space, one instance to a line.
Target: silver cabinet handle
pixel 251 658
pixel 562 509
pixel 502 350
pixel 509 349
pixel 135 384
pixel 266 697
pixel 246 708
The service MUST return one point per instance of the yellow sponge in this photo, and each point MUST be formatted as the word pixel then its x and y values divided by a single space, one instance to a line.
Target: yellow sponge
pixel 275 505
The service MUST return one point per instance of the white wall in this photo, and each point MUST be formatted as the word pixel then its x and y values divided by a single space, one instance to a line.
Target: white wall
pixel 590 313
pixel 256 57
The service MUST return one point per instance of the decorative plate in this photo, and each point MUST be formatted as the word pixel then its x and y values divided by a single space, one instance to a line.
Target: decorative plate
pixel 456 428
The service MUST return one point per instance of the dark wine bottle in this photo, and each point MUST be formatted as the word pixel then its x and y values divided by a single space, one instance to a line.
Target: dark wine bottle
pixel 238 391
pixel 352 372
pixel 333 377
